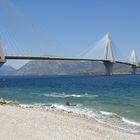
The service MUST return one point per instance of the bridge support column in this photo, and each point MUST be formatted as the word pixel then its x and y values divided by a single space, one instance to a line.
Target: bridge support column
pixel 1 63
pixel 134 69
pixel 108 68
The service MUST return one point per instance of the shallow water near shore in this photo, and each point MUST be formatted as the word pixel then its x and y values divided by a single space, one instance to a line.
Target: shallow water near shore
pixel 112 100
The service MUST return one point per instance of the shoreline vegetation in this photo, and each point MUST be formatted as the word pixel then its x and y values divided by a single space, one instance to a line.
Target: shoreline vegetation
pixel 43 122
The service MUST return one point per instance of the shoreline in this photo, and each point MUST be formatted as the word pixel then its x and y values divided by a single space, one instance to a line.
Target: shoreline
pixel 51 120
pixel 54 108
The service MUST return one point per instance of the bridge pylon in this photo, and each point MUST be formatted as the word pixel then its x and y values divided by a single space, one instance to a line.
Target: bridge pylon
pixel 2 56
pixel 108 56
pixel 134 61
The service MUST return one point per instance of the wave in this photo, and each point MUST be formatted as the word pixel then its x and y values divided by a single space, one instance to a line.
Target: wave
pixel 63 95
pixel 26 106
pixel 60 107
pixel 121 118
pixel 118 121
pixel 130 122
pixel 78 109
pixel 106 113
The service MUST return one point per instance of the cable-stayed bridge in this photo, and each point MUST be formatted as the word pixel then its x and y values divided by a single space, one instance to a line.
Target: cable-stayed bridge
pixel 107 57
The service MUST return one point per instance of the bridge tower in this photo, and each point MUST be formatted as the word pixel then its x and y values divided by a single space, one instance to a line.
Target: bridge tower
pixel 2 56
pixel 109 58
pixel 134 61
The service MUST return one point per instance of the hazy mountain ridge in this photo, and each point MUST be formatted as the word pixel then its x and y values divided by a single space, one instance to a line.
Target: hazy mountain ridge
pixel 57 67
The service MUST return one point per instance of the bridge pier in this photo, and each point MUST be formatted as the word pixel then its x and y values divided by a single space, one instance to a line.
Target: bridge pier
pixel 1 63
pixel 134 69
pixel 108 68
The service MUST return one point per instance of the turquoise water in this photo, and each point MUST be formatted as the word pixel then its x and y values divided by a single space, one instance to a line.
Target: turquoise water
pixel 112 100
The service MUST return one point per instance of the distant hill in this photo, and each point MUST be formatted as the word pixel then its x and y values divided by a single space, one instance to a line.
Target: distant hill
pixel 57 67
pixel 7 70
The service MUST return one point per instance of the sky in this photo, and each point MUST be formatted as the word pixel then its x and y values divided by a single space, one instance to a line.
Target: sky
pixel 67 27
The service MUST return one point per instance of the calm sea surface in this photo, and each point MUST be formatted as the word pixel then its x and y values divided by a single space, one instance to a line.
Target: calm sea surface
pixel 112 100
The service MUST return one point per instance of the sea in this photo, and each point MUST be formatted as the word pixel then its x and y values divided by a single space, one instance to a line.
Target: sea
pixel 112 100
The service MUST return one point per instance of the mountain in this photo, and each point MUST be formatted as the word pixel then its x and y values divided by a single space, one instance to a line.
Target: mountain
pixel 57 67
pixel 7 70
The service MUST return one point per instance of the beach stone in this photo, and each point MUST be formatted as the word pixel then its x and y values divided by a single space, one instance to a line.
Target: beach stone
pixel 7 102
pixel 2 101
pixel 11 103
pixel 67 103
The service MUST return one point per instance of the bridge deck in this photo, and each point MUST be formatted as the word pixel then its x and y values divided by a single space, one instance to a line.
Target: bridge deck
pixel 50 58
pixel 62 58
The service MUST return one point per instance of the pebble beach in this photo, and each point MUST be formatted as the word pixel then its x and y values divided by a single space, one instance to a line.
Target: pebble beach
pixel 20 122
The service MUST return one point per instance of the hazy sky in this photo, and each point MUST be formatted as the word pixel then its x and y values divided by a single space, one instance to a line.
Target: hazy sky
pixel 67 27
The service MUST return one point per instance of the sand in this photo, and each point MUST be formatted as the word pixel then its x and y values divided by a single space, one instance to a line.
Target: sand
pixel 19 123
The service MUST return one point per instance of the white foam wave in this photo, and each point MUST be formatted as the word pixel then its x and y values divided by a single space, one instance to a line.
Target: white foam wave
pixel 106 113
pixel 60 107
pixel 25 106
pixel 121 118
pixel 59 95
pixel 78 109
pixel 130 122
